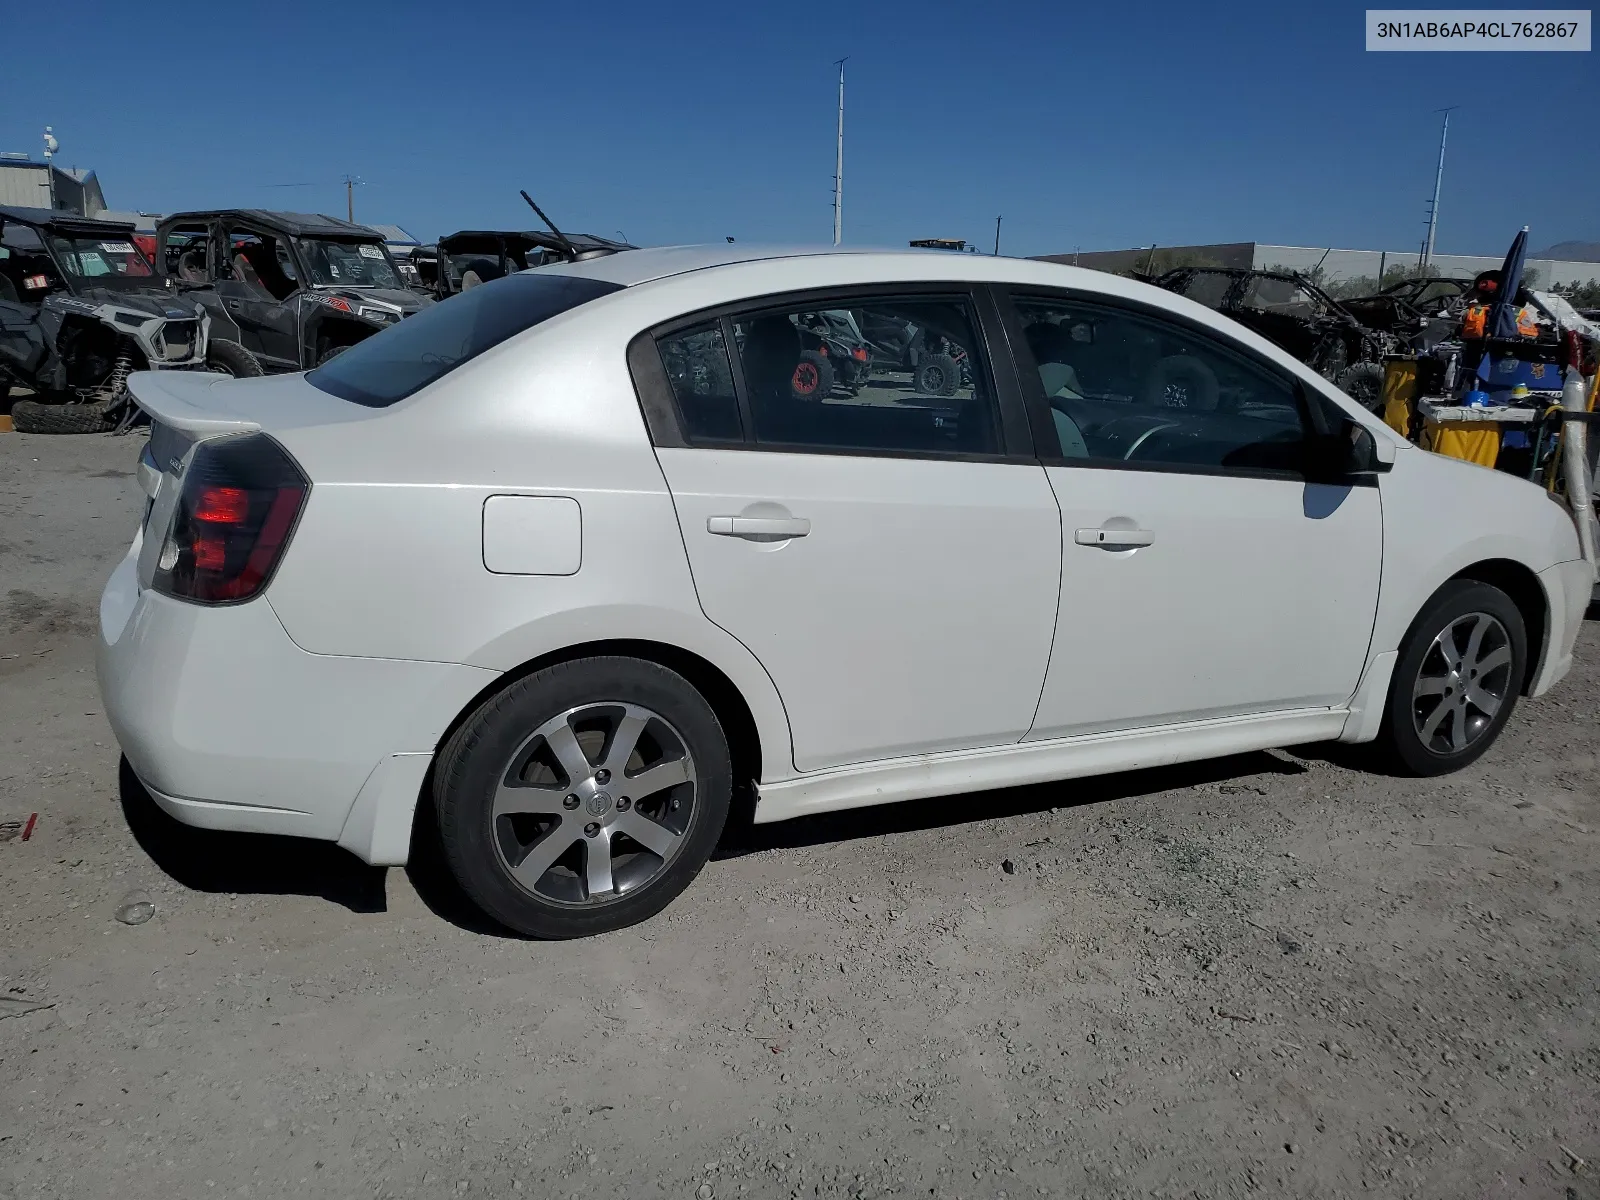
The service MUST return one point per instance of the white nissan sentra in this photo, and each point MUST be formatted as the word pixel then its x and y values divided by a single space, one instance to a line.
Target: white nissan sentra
pixel 590 549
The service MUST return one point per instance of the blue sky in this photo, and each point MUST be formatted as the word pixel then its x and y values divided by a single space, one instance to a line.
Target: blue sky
pixel 1099 126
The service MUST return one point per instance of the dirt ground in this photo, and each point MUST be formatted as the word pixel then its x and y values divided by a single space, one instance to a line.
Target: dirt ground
pixel 1272 975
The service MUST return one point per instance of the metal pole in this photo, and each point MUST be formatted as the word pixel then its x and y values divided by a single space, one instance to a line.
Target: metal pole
pixel 1438 181
pixel 997 237
pixel 349 199
pixel 838 164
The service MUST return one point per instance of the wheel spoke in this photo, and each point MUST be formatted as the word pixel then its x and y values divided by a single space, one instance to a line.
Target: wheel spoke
pixel 597 865
pixel 526 798
pixel 1498 657
pixel 1430 727
pixel 624 740
pixel 1446 642
pixel 1431 685
pixel 1482 700
pixel 1458 727
pixel 563 744
pixel 657 778
pixel 1475 640
pixel 654 837
pixel 542 856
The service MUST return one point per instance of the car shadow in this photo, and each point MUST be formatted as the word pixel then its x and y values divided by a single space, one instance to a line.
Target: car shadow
pixel 743 837
pixel 206 860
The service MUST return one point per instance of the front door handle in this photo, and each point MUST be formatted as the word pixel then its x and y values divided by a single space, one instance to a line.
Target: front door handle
pixel 759 529
pixel 235 304
pixel 1114 539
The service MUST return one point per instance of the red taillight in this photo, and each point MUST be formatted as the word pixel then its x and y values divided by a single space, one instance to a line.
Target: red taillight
pixel 859 354
pixel 229 505
pixel 240 500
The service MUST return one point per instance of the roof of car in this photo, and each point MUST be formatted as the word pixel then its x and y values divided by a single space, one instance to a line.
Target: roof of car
pixel 50 216
pixel 299 224
pixel 658 262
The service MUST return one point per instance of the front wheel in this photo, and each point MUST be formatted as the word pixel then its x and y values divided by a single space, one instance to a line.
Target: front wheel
pixel 1363 383
pixel 229 358
pixel 1457 678
pixel 584 797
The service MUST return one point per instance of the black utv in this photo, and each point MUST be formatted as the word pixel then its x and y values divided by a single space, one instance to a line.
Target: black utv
pixel 473 256
pixel 294 288
pixel 81 308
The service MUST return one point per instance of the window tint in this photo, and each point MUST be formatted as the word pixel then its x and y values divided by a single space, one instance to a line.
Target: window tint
pixel 896 375
pixel 1126 388
pixel 404 358
pixel 696 362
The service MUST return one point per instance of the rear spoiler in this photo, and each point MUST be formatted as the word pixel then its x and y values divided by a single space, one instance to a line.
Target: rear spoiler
pixel 183 400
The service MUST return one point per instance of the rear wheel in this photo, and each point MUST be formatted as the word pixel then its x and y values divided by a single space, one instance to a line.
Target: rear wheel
pixel 1363 383
pixel 585 797
pixel 1456 682
pixel 30 416
pixel 937 375
pixel 812 378
pixel 230 358
pixel 329 353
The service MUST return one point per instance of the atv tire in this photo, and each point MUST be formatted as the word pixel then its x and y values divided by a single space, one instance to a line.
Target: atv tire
pixel 1363 383
pixel 229 358
pixel 937 375
pixel 812 380
pixel 29 416
pixel 330 352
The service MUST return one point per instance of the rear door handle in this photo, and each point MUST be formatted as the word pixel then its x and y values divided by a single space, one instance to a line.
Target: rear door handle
pixel 759 528
pixel 1114 539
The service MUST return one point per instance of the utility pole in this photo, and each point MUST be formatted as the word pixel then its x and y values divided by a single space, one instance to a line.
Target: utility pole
pixel 1438 180
pixel 50 148
pixel 997 237
pixel 838 163
pixel 350 182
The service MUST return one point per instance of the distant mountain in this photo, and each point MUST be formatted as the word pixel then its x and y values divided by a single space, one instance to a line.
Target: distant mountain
pixel 1572 252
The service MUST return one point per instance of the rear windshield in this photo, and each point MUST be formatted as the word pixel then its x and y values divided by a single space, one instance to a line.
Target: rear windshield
pixel 405 358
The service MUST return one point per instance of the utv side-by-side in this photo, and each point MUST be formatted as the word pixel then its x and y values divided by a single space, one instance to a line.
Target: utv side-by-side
pixel 1297 315
pixel 81 308
pixel 473 256
pixel 293 288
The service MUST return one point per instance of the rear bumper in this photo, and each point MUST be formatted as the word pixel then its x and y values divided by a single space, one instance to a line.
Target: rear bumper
pixel 232 726
pixel 1568 589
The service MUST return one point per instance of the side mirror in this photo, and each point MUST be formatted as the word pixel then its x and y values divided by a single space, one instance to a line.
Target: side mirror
pixel 1350 452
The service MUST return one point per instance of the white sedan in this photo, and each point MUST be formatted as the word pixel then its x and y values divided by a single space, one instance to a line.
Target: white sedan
pixel 587 553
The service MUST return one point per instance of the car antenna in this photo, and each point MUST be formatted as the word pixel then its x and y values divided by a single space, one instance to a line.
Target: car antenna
pixel 571 250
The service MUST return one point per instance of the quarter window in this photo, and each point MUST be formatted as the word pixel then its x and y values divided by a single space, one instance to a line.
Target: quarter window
pixel 898 376
pixel 701 377
pixel 1131 389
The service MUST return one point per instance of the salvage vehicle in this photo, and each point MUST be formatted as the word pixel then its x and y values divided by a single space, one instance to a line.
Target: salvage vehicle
pixel 473 256
pixel 1294 313
pixel 81 308
pixel 1408 310
pixel 566 552
pixel 294 289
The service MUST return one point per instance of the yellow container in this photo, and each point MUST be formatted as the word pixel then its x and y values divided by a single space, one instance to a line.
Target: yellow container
pixel 1399 390
pixel 1470 441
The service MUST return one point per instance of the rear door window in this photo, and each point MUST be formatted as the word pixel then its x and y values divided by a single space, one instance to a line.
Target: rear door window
pixel 403 359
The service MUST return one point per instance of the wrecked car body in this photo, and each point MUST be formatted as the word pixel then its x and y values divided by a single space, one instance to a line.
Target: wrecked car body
pixel 473 256
pixel 82 308
pixel 294 289
pixel 1294 313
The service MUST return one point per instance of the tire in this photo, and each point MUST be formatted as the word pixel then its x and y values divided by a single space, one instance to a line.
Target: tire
pixel 229 358
pixel 936 375
pixel 813 377
pixel 547 836
pixel 1428 736
pixel 330 352
pixel 1363 383
pixel 29 416
pixel 1181 381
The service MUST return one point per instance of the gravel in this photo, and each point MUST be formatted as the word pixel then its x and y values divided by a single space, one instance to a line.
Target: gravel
pixel 1274 974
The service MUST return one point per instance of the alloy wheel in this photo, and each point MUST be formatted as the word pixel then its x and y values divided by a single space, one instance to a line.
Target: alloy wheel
pixel 1463 682
pixel 595 804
